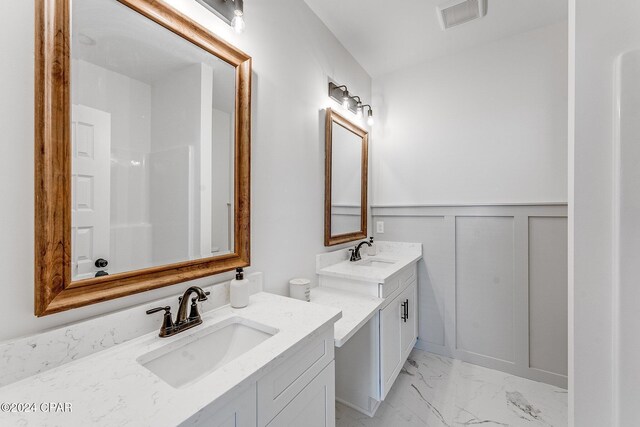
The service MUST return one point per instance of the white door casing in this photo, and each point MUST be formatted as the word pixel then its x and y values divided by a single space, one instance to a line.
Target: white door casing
pixel 90 184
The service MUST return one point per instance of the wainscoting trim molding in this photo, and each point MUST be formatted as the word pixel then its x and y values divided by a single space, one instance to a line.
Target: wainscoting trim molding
pixel 440 286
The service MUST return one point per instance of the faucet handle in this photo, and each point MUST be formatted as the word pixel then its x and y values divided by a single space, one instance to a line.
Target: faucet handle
pixel 167 309
pixel 194 313
pixel 167 322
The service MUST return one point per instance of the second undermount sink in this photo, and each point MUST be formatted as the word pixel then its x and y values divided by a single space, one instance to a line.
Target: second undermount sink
pixel 187 360
pixel 376 263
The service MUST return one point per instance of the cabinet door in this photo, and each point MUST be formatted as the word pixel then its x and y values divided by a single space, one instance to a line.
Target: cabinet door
pixel 280 386
pixel 314 406
pixel 410 326
pixel 390 346
pixel 240 412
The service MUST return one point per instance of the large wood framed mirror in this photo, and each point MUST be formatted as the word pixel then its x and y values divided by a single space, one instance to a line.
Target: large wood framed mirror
pixel 346 180
pixel 142 151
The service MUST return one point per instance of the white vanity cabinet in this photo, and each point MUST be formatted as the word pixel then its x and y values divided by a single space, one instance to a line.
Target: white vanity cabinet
pixel 398 334
pixel 368 363
pixel 299 390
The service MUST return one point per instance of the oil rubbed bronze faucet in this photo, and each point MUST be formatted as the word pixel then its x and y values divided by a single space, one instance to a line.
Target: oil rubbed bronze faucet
pixel 355 253
pixel 182 323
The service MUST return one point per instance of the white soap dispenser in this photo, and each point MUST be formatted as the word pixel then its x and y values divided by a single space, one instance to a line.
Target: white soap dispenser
pixel 239 290
pixel 372 250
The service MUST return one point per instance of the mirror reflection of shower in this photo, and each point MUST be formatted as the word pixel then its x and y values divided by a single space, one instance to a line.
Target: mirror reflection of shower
pixel 153 144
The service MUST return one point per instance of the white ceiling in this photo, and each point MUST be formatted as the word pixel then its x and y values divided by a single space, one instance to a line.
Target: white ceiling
pixel 386 35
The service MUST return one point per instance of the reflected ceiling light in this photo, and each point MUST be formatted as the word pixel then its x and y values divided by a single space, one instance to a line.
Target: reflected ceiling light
pixel 230 11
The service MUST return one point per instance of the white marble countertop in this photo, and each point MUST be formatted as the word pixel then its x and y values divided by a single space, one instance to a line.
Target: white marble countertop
pixel 401 254
pixel 112 388
pixel 357 309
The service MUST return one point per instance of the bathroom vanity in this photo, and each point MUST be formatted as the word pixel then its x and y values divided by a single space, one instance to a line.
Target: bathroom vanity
pixel 379 300
pixel 270 364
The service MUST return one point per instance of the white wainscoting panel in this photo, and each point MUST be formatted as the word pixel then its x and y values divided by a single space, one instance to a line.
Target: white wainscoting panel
pixel 485 286
pixel 548 294
pixel 492 285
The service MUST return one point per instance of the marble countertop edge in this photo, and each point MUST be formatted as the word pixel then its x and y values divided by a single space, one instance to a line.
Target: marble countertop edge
pixel 357 310
pixel 352 271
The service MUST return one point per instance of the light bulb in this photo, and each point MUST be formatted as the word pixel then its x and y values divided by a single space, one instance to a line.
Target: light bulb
pixel 238 22
pixel 359 110
pixel 370 120
pixel 346 99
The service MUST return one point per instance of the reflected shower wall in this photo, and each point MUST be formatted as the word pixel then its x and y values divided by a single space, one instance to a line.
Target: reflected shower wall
pixel 160 113
pixel 128 101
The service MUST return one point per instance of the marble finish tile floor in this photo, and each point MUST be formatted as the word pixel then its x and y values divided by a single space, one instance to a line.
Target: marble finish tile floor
pixel 435 391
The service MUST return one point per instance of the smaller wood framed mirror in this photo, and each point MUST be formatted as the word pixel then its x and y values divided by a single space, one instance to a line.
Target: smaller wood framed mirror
pixel 346 180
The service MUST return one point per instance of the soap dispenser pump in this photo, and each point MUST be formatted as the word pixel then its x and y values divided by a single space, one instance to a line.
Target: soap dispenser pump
pixel 239 290
pixel 372 250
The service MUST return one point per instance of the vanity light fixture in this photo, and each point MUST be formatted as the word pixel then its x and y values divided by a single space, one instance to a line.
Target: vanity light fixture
pixel 237 23
pixel 346 99
pixel 230 11
pixel 358 107
pixel 340 94
pixel 370 120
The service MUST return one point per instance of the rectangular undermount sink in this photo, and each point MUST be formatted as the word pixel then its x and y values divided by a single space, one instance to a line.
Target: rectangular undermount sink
pixel 197 355
pixel 376 263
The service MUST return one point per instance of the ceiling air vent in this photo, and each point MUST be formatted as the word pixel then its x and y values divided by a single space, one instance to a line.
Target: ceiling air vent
pixel 457 12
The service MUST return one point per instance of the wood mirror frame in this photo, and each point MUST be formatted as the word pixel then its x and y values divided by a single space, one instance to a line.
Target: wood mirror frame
pixel 54 289
pixel 331 118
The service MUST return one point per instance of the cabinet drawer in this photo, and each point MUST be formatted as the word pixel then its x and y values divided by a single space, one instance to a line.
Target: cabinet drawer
pixel 400 281
pixel 315 406
pixel 279 387
pixel 239 412
pixel 389 287
pixel 408 275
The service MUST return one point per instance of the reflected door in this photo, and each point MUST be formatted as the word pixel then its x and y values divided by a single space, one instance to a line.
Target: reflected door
pixel 90 175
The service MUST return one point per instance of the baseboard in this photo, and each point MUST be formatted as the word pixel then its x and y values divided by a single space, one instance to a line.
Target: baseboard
pixel 529 373
pixel 433 348
pixel 371 414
